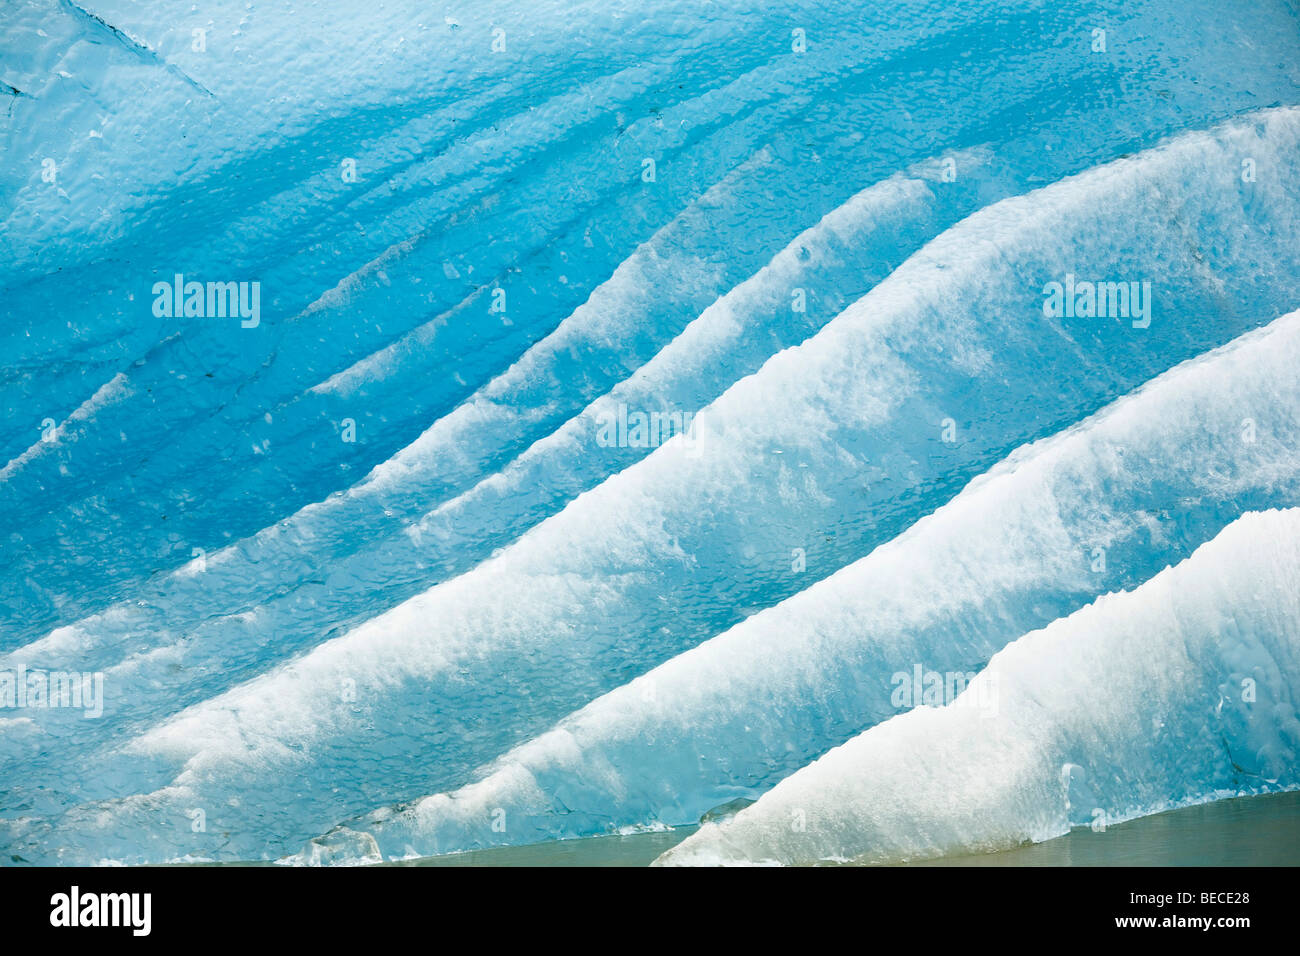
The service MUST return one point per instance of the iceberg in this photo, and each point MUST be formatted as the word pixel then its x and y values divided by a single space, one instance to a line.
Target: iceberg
pixel 426 430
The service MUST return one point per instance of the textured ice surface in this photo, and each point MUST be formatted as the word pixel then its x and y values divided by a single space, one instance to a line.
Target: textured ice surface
pixel 833 446
pixel 823 229
pixel 1177 692
pixel 1146 480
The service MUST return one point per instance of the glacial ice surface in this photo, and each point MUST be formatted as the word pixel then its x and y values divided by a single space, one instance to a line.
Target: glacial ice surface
pixel 357 571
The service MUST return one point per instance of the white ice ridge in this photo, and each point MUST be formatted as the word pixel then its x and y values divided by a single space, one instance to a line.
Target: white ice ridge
pixel 784 685
pixel 1178 692
pixel 115 389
